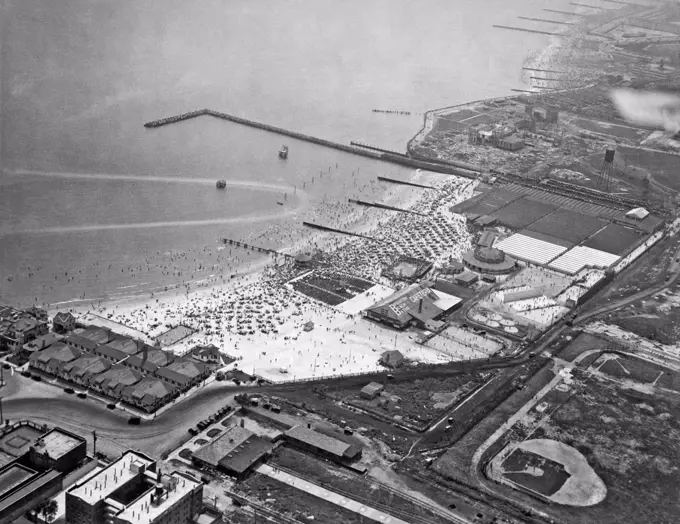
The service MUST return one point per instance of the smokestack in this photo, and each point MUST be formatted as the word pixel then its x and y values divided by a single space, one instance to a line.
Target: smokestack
pixel 420 306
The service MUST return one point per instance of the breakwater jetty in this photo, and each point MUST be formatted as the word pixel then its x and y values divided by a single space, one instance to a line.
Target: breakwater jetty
pixel 527 30
pixel 380 149
pixel 334 230
pixel 544 70
pixel 402 182
pixel 385 206
pixel 437 166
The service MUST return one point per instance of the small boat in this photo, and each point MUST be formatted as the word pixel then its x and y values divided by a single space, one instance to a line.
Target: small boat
pixel 279 202
pixel 283 152
pixel 221 184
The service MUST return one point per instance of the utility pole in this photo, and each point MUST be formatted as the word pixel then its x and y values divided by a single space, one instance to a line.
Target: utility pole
pixel 2 421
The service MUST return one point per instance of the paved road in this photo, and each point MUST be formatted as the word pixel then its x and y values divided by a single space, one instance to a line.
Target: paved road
pixel 330 496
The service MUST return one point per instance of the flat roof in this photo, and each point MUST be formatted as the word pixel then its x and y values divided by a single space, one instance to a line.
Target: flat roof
pixel 219 448
pixel 57 443
pixel 5 458
pixel 318 440
pixel 13 476
pixel 30 488
pixel 19 439
pixel 143 511
pixel 109 479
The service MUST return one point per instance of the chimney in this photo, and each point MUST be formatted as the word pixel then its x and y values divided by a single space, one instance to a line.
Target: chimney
pixel 420 306
pixel 243 423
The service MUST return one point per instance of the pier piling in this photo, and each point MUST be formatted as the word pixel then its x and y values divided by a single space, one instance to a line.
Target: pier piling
pixel 527 30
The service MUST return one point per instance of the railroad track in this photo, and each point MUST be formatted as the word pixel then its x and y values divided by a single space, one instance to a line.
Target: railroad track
pixel 386 508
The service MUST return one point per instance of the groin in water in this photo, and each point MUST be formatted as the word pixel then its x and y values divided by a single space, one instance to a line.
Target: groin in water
pixel 385 206
pixel 334 230
pixel 402 182
pixel 438 166
pixel 390 112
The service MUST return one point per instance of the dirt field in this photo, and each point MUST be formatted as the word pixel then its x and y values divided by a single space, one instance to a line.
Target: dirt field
pixel 655 319
pixel 611 129
pixel 579 227
pixel 663 166
pixel 421 401
pixel 522 212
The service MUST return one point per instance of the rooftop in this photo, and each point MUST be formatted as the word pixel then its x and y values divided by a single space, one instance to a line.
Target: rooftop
pixel 42 341
pixel 318 440
pixel 118 375
pixel 145 511
pixel 57 443
pixel 148 386
pixel 246 454
pixel 58 351
pixel 219 448
pixel 126 345
pixel 13 476
pixel 109 479
pixel 97 334
pixel 78 340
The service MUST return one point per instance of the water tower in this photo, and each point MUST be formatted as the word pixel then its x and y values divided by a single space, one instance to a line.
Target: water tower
pixel 604 181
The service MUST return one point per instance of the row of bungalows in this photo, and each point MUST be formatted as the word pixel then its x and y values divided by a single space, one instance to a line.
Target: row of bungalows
pixel 119 367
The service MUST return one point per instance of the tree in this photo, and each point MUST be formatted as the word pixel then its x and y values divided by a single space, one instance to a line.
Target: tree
pixel 49 509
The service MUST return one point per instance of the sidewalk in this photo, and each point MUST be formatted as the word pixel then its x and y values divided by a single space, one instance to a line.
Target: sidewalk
pixel 328 495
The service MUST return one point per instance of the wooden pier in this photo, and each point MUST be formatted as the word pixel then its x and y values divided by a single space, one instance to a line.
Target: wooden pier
pixel 547 79
pixel 449 168
pixel 390 112
pixel 403 183
pixel 384 206
pixel 527 30
pixel 544 20
pixel 334 230
pixel 544 70
pixel 563 12
pixel 244 245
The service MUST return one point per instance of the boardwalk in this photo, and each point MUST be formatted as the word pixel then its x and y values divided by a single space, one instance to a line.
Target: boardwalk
pixel 329 496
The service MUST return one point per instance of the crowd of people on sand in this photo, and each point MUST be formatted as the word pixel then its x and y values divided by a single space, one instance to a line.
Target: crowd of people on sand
pixel 267 309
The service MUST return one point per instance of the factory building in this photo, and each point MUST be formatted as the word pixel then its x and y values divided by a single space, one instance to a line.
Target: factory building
pixel 132 490
pixel 306 439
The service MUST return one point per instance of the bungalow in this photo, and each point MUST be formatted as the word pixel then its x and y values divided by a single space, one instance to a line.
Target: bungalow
pixel 54 358
pixel 149 360
pixel 392 359
pixel 113 381
pixel 63 323
pixel 101 335
pixel 41 342
pixel 148 394
pixel 183 373
pixel 110 353
pixel 77 341
pixel 210 354
pixel 83 369
pixel 127 345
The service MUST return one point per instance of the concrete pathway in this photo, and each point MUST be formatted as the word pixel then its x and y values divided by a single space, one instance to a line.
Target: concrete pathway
pixel 328 495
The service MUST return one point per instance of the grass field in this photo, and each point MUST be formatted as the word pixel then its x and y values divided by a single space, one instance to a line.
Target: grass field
pixel 630 368
pixel 582 342
pixel 568 225
pixel 522 212
pixel 534 472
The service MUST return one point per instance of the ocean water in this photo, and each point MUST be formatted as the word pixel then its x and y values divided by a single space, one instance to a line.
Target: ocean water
pixel 93 205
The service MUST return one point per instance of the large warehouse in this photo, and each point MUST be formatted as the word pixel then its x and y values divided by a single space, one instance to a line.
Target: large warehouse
pixel 236 452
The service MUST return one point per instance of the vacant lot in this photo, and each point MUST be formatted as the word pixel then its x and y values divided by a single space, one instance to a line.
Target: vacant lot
pixel 420 401
pixel 630 439
pixel 611 129
pixel 630 368
pixel 583 342
pixel 655 319
pixel 662 166
pixel 614 239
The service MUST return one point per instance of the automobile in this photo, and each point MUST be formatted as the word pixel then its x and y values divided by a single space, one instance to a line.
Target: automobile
pixel 532 354
pixel 111 406
pixel 82 395
pixel 69 391
pixel 193 432
pixel 447 428
pixel 5 365
pixel 390 377
pixel 135 421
